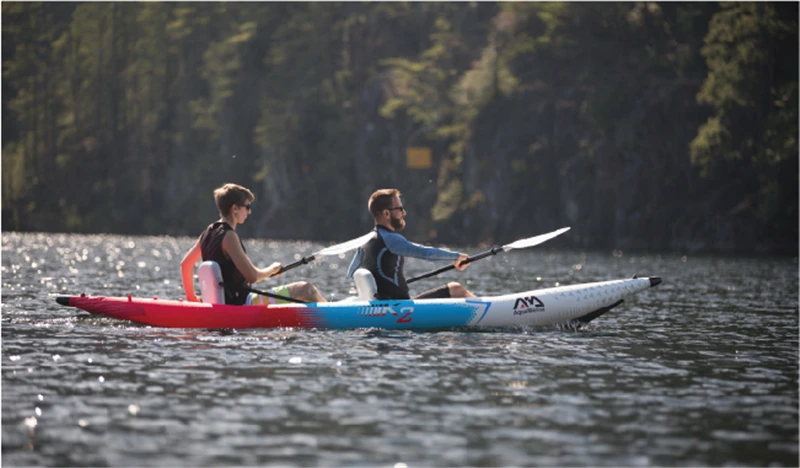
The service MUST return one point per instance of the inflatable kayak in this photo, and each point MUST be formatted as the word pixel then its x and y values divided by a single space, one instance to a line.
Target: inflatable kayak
pixel 571 306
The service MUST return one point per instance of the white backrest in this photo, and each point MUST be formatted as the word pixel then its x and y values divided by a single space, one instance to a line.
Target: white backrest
pixel 365 284
pixel 210 276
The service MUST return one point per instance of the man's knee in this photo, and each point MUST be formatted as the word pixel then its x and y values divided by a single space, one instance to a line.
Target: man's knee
pixel 456 290
pixel 303 288
pixel 305 291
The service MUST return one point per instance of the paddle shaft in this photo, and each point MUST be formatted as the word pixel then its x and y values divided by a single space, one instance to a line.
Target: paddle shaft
pixel 276 296
pixel 296 264
pixel 269 294
pixel 471 259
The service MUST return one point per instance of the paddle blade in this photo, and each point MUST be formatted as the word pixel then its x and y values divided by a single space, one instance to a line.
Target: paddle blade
pixel 346 246
pixel 536 240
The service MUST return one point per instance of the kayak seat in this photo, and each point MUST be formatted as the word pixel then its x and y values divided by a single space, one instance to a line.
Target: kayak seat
pixel 210 276
pixel 365 284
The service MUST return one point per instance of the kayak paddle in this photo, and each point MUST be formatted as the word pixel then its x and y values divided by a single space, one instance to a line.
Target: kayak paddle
pixel 332 250
pixel 276 296
pixel 520 244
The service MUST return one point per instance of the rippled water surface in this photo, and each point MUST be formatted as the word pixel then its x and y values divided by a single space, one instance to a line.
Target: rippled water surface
pixel 701 370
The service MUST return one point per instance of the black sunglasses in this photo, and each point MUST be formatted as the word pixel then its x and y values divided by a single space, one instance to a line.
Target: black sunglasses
pixel 247 206
pixel 397 208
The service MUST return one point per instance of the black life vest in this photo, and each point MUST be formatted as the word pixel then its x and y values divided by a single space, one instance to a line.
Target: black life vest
pixel 385 266
pixel 235 285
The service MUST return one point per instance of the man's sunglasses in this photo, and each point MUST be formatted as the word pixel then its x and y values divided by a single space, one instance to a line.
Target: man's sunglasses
pixel 397 208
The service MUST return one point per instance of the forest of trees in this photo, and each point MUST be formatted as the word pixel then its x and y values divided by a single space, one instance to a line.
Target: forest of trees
pixel 662 126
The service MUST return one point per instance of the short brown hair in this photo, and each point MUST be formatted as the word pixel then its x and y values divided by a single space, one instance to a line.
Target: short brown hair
pixel 381 200
pixel 231 194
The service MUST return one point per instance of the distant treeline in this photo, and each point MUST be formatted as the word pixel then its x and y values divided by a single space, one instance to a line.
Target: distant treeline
pixel 665 126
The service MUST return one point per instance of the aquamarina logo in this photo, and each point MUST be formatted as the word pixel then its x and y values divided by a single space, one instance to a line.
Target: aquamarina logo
pixel 526 305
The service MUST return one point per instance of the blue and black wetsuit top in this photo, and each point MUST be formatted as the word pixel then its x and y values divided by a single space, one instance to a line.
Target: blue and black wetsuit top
pixel 383 257
pixel 211 248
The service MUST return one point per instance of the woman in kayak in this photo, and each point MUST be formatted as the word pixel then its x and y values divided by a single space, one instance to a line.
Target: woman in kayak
pixel 383 255
pixel 220 243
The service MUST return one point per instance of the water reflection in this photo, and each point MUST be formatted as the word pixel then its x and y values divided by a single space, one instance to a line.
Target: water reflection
pixel 699 371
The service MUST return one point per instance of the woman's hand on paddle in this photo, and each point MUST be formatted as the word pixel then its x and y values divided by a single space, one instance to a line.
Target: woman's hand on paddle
pixel 460 266
pixel 274 269
pixel 268 272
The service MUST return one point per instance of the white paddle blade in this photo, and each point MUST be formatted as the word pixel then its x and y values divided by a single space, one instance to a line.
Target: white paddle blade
pixel 346 246
pixel 536 240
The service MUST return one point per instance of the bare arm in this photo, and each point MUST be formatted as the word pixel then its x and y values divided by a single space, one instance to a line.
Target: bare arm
pixel 233 247
pixel 187 271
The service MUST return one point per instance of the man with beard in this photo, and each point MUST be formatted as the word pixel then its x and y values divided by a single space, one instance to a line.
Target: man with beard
pixel 384 255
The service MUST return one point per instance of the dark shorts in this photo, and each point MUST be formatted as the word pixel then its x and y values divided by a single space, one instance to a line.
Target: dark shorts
pixel 442 292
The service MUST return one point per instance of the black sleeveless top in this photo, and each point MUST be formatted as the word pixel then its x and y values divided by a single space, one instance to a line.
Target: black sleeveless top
pixel 386 267
pixel 211 248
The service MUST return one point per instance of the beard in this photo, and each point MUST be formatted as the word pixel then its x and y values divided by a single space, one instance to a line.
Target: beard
pixel 398 224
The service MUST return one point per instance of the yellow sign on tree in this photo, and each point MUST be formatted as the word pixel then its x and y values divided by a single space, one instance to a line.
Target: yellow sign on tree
pixel 418 157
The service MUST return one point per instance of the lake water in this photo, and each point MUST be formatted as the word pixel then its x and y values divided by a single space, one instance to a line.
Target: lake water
pixel 701 370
